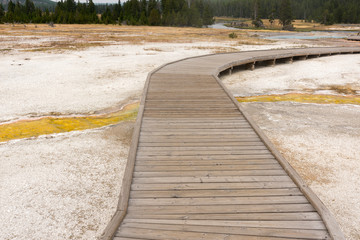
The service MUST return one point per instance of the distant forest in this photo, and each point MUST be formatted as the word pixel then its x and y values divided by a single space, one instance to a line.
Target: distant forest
pixel 324 11
pixel 179 12
pixel 194 13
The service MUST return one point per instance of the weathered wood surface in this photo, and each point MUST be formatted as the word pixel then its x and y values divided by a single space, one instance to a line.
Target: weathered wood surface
pixel 199 168
pixel 354 38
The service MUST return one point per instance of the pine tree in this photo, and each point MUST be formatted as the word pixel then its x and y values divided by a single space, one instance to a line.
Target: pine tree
pixel 2 13
pixel 194 17
pixel 19 13
pixel 272 17
pixel 256 10
pixel 285 15
pixel 154 17
pixel 152 5
pixel 29 7
pixel 208 16
pixel 106 16
pixel 9 17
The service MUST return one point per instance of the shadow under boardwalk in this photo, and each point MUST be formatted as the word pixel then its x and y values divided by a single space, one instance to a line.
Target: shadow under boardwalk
pixel 203 170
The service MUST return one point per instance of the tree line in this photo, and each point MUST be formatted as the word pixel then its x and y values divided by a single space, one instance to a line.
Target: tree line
pixel 324 11
pixel 184 12
pixel 194 13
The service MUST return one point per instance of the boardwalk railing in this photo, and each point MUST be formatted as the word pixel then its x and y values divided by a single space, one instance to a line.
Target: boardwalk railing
pixel 200 168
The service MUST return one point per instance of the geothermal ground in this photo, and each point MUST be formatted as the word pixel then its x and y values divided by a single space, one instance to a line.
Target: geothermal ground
pixel 66 185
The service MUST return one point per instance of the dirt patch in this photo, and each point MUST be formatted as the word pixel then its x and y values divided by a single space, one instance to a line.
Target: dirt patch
pixel 344 89
pixel 121 132
pixel 311 172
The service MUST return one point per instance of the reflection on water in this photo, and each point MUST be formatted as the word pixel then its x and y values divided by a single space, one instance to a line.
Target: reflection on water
pixel 221 26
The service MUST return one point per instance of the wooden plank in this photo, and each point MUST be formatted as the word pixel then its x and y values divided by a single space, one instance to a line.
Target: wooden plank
pixel 218 193
pixel 208 186
pixel 219 179
pixel 184 103
pixel 187 149
pixel 191 109
pixel 205 157
pixel 199 139
pixel 187 95
pixel 195 132
pixel 222 209
pixel 220 123
pixel 140 168
pixel 193 89
pixel 217 201
pixel 181 105
pixel 203 153
pixel 185 131
pixel 179 127
pixel 245 232
pixel 188 101
pixel 186 116
pixel 194 114
pixel 206 162
pixel 199 144
pixel 205 98
pixel 188 135
pixel 215 173
pixel 193 119
pixel 145 233
pixel 126 238
pixel 298 216
pixel 311 225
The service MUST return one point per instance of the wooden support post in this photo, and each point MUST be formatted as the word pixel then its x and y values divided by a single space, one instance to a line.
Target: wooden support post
pixel 252 67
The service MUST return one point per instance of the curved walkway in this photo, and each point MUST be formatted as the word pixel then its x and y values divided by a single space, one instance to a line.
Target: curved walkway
pixel 199 168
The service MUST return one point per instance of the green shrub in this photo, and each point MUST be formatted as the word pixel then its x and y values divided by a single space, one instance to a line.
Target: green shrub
pixel 232 35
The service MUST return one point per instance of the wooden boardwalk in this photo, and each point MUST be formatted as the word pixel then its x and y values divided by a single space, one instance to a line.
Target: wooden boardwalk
pixel 199 168
pixel 354 38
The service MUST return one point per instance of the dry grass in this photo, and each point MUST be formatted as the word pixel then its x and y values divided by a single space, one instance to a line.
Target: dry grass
pixel 216 49
pixel 77 37
pixel 344 89
pixel 298 24
pixel 154 49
